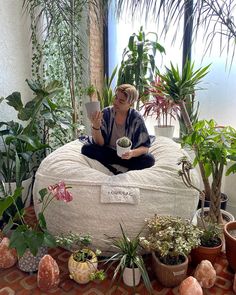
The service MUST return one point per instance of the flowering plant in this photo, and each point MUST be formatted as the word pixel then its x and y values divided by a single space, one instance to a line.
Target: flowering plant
pixel 160 105
pixel 32 237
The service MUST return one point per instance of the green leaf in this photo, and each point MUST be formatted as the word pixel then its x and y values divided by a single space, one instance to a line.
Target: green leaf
pixel 34 240
pixel 49 240
pixel 5 204
pixel 232 169
pixel 17 240
pixel 42 221
pixel 14 100
pixel 208 169
pixel 43 192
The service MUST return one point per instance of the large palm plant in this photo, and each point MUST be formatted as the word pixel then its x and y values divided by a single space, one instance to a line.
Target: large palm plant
pixel 215 17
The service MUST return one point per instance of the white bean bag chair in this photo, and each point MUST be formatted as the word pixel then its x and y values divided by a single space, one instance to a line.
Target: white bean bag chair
pixel 102 200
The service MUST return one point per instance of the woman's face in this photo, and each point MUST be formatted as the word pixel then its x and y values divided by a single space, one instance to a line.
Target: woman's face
pixel 120 102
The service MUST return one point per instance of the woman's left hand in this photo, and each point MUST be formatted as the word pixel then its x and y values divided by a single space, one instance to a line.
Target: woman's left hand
pixel 128 155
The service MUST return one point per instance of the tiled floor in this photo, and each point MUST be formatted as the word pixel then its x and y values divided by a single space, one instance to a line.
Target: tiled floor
pixel 14 281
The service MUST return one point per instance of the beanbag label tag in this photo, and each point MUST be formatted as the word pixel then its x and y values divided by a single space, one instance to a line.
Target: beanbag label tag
pixel 119 194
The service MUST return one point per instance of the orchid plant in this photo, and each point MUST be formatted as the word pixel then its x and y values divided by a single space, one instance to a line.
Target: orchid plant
pixel 32 237
pixel 160 106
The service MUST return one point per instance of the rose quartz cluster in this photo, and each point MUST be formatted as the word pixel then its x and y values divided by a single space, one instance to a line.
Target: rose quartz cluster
pixel 190 286
pixel 8 257
pixel 48 273
pixel 205 274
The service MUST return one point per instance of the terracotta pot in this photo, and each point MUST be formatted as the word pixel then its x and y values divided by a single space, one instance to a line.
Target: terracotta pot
pixel 169 275
pixel 230 243
pixel 80 271
pixel 128 276
pixel 28 262
pixel 205 253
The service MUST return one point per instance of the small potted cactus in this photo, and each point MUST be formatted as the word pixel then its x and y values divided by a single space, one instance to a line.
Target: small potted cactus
pixel 123 145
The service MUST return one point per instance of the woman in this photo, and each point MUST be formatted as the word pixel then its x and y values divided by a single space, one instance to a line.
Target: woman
pixel 115 122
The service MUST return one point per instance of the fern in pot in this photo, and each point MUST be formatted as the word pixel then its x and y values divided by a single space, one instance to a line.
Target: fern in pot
pixel 170 239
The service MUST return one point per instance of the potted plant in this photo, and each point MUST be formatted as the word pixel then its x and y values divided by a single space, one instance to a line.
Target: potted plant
pixel 17 146
pixel 83 262
pixel 138 62
pixel 106 96
pixel 179 86
pixel 214 148
pixel 93 105
pixel 31 241
pixel 130 262
pixel 22 143
pixel 163 108
pixel 211 244
pixel 170 239
pixel 123 145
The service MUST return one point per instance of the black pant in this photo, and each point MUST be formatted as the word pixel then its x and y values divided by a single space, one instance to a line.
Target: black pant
pixel 108 156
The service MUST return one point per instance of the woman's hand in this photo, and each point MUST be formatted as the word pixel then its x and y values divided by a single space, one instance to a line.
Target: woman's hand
pixel 128 155
pixel 96 119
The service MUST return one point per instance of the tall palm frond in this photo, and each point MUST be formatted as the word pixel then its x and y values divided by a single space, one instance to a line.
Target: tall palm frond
pixel 215 17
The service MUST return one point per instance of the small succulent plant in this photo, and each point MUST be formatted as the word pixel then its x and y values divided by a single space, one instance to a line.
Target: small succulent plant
pixel 124 142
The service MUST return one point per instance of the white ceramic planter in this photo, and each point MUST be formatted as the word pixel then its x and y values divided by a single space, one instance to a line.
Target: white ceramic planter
pixel 121 150
pixel 198 219
pixel 128 276
pixel 91 107
pixel 26 193
pixel 166 131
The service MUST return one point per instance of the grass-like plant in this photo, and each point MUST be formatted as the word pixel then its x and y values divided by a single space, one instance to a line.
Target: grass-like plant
pixel 127 255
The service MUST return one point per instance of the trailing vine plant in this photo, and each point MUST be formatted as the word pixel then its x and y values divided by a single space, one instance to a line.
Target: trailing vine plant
pixel 57 43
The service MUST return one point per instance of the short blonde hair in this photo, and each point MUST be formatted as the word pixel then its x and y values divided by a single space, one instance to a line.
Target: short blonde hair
pixel 130 91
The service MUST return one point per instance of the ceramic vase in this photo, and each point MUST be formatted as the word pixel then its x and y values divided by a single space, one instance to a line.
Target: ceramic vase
pixel 28 262
pixel 80 271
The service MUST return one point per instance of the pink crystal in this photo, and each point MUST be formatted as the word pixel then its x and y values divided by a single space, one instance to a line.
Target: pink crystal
pixel 190 286
pixel 8 257
pixel 48 273
pixel 205 274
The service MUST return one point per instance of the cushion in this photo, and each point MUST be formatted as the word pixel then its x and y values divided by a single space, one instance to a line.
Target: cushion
pixel 102 200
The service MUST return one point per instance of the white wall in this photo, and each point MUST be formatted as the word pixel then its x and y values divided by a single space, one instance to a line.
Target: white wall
pixel 15 54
